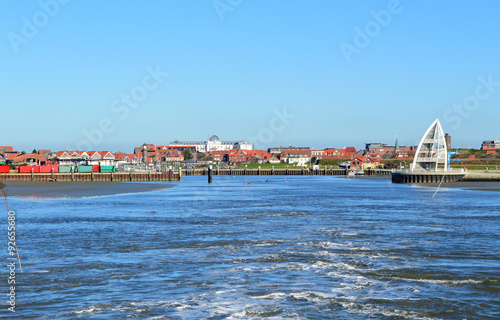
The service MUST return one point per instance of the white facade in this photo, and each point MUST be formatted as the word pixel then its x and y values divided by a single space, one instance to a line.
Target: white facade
pixel 432 150
pixel 214 144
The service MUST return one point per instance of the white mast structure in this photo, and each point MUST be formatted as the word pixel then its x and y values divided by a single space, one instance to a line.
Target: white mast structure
pixel 432 150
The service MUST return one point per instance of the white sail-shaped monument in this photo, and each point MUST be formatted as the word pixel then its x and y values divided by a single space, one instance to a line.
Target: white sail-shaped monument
pixel 432 154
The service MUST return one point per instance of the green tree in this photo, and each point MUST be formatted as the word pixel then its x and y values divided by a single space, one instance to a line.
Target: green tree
pixel 200 156
pixel 188 155
pixel 389 155
pixel 34 151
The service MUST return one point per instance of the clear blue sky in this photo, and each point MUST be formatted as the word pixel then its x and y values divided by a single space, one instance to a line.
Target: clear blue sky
pixel 66 68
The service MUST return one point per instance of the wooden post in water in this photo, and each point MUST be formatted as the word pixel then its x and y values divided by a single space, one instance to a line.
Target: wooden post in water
pixel 170 174
pixel 209 174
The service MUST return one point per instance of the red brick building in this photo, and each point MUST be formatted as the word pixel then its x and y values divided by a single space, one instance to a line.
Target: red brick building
pixel 490 145
pixel 346 153
pixel 258 156
pixel 8 152
pixel 237 156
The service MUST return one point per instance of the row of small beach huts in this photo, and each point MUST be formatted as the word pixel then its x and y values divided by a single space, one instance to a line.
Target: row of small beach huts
pixel 58 169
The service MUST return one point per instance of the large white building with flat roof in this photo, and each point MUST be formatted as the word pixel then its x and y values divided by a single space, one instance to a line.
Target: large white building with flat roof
pixel 214 144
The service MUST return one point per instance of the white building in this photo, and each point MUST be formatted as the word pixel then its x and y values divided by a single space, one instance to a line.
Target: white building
pixel 214 144
pixel 432 151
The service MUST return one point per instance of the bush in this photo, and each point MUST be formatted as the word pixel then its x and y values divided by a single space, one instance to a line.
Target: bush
pixel 332 162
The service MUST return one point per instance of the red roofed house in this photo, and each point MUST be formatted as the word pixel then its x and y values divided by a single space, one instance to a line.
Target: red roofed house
pixel 33 158
pixel 346 153
pixel 258 156
pixel 361 162
pixel 103 158
pixel 219 155
pixel 6 149
pixel 74 158
pixel 238 156
pixel 127 158
pixel 170 153
pixel 71 158
pixel 296 156
pixel 8 152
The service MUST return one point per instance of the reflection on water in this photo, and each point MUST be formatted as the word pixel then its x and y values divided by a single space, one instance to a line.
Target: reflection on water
pixel 312 248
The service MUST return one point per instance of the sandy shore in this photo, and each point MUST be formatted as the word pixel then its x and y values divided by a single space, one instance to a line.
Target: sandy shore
pixel 465 185
pixel 68 189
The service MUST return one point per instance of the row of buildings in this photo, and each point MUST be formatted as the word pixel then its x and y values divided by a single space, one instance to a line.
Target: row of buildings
pixel 217 151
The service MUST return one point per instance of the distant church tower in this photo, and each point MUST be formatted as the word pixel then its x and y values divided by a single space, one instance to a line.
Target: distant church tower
pixel 447 137
pixel 396 146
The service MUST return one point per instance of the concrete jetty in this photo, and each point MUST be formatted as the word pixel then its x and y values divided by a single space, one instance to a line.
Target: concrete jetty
pixel 426 177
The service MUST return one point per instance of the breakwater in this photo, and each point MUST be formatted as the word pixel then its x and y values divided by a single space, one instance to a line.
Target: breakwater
pixel 481 176
pixel 264 172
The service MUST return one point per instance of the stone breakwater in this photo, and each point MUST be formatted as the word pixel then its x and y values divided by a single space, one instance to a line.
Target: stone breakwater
pixel 482 176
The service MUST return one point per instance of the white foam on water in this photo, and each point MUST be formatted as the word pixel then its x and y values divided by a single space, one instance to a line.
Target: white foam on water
pixel 364 309
pixel 92 309
pixel 217 292
pixel 449 282
pixel 272 296
pixel 312 296
pixel 348 234
pixel 41 271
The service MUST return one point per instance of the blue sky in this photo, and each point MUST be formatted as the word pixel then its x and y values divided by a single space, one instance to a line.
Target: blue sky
pixel 274 72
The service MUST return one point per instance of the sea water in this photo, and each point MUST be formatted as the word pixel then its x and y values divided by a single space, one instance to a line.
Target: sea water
pixel 259 247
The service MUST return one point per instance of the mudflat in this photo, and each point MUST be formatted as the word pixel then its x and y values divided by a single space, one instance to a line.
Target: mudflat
pixel 76 189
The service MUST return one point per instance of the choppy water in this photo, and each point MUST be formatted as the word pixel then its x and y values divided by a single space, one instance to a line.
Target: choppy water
pixel 312 248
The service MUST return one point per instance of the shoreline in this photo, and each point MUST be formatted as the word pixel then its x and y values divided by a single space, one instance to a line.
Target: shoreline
pixel 492 186
pixel 34 190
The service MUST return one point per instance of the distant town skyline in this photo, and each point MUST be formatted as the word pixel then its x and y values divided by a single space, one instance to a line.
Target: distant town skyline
pixel 111 75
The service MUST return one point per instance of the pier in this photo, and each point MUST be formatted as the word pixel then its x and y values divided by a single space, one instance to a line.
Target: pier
pixel 426 177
